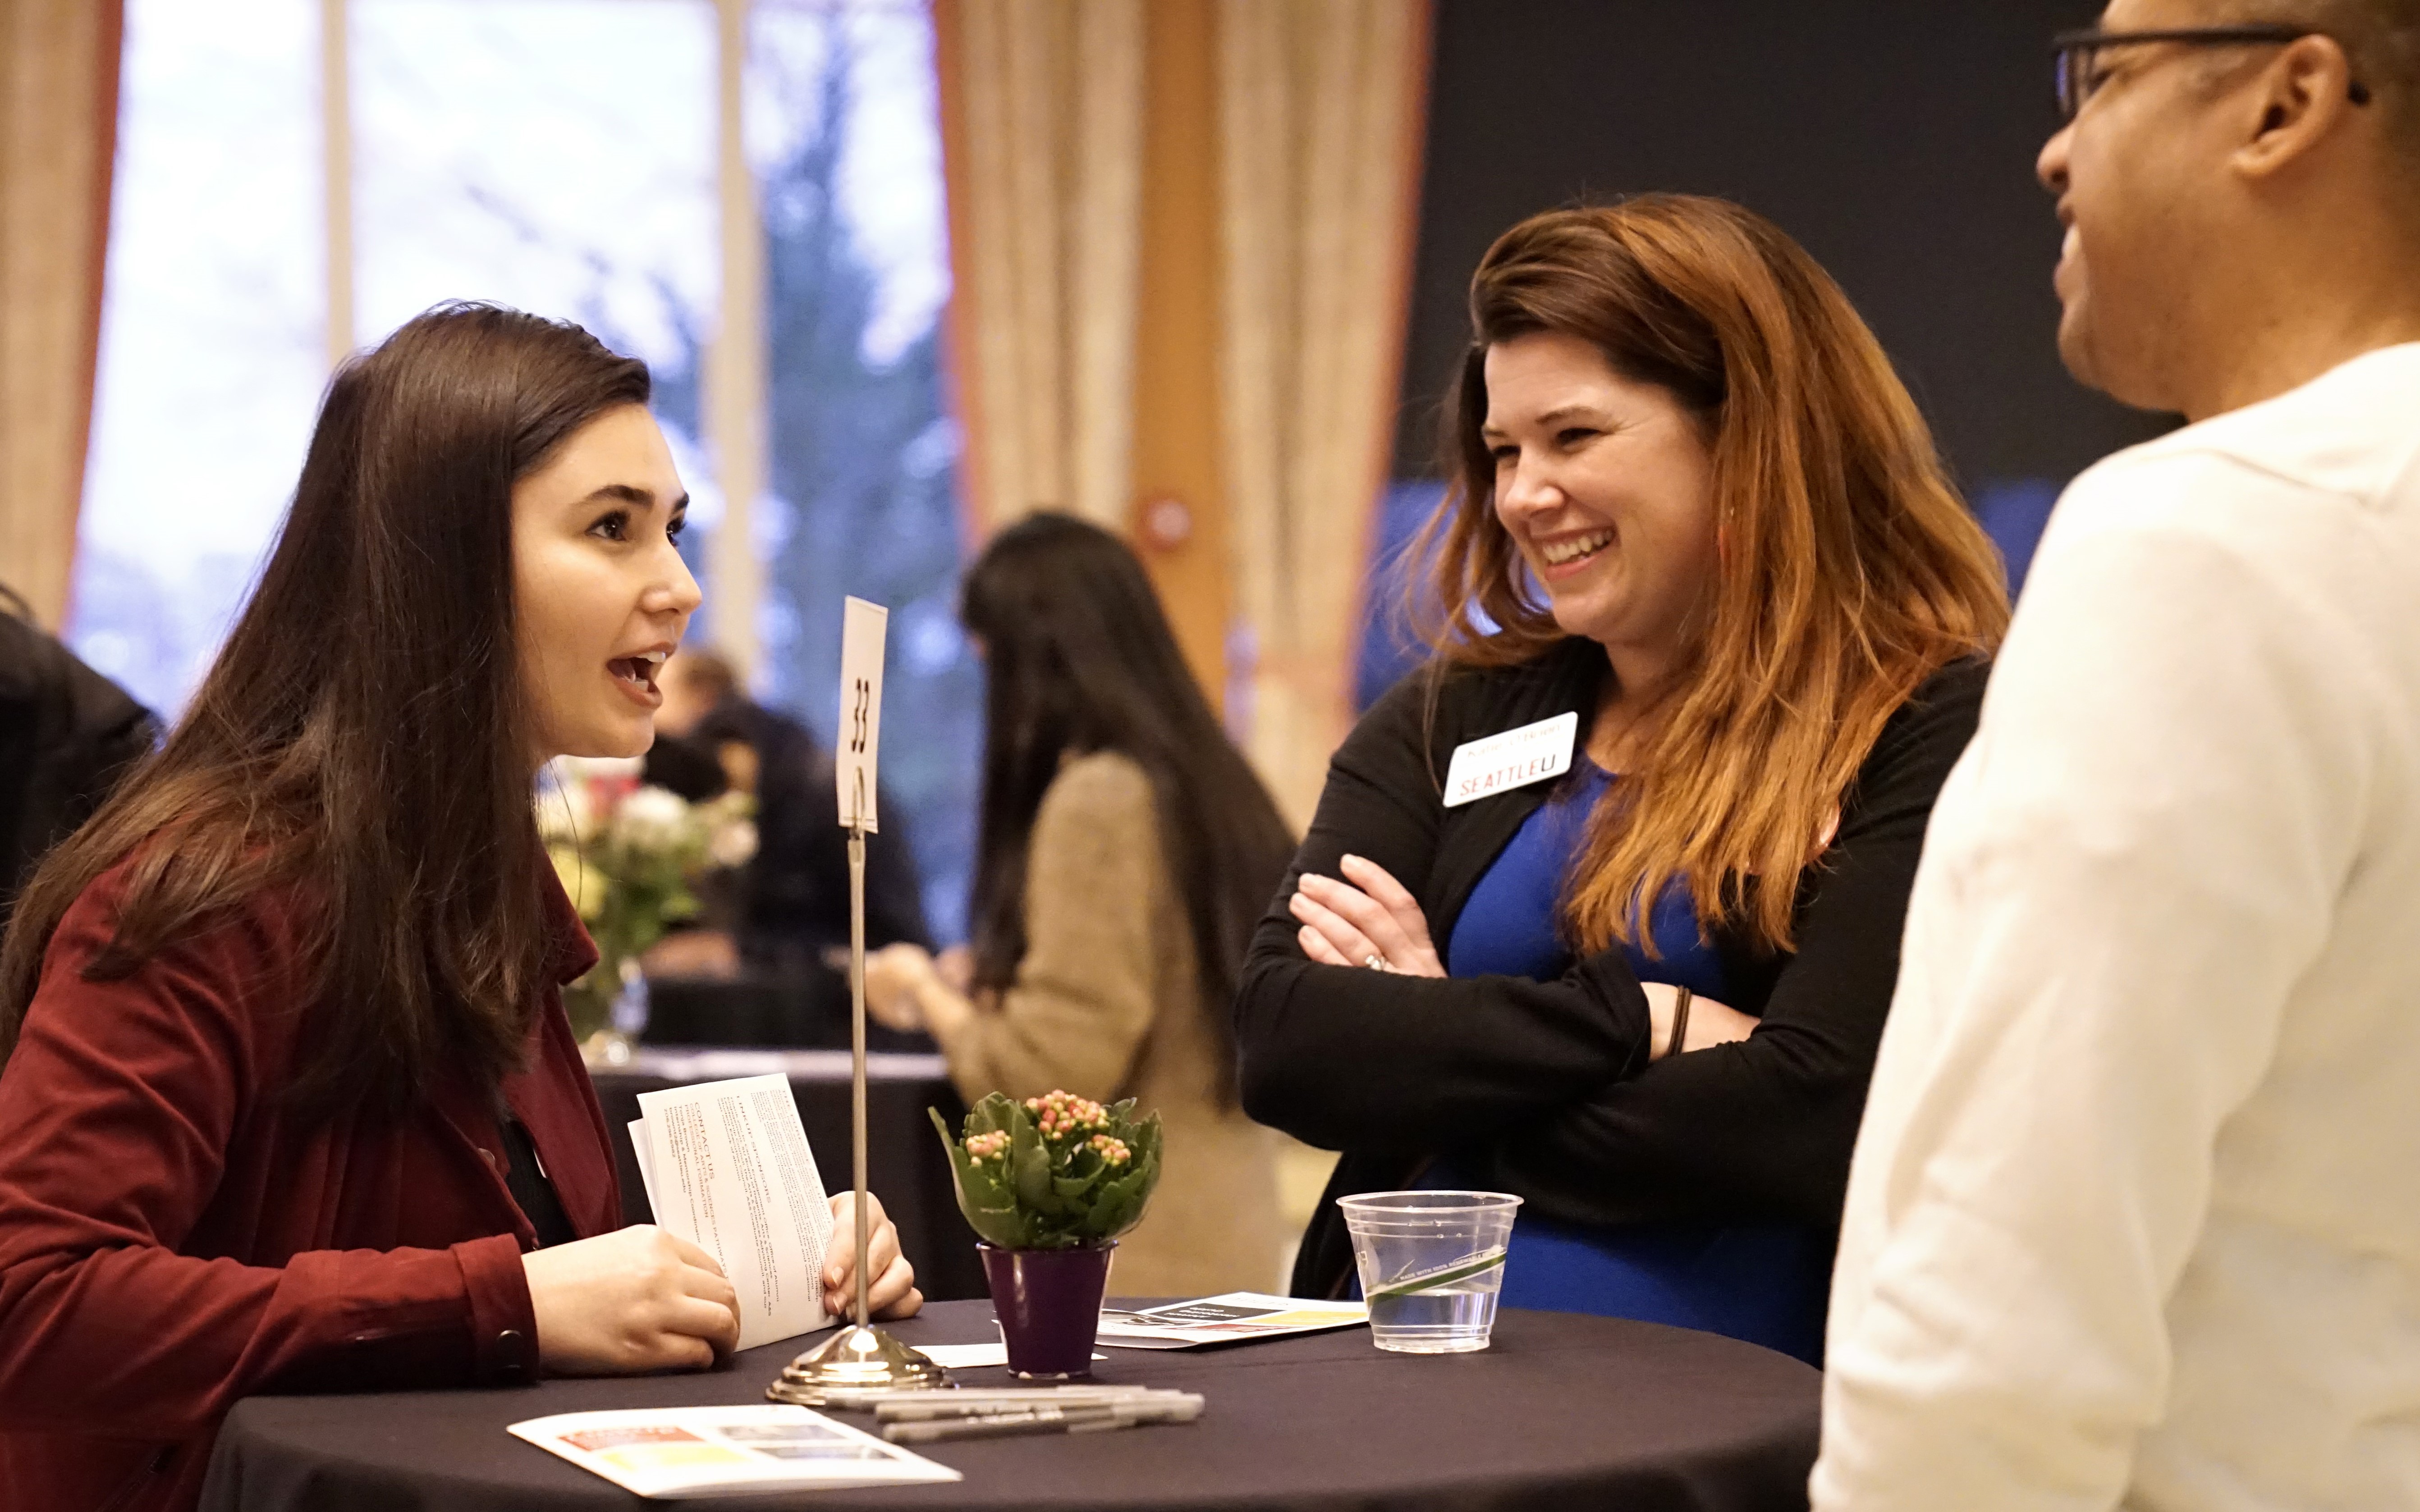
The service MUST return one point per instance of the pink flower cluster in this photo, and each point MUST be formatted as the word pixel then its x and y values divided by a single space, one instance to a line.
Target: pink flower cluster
pixel 992 1145
pixel 1061 1114
pixel 1112 1150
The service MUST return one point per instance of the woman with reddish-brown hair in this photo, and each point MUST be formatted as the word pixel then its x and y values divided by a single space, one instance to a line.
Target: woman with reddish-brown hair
pixel 1633 966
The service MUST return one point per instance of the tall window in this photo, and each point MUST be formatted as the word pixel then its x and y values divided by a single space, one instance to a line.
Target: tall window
pixel 563 157
pixel 212 353
pixel 844 127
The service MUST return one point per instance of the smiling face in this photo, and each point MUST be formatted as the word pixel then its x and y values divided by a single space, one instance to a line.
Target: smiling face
pixel 600 594
pixel 1606 487
pixel 2135 174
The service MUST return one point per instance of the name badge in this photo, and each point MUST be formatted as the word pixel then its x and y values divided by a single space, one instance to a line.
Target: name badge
pixel 1515 759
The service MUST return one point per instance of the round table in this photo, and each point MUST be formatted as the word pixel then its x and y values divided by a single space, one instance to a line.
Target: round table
pixel 1563 1411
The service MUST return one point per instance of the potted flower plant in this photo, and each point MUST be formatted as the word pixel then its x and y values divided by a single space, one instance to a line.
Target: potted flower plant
pixel 1048 1184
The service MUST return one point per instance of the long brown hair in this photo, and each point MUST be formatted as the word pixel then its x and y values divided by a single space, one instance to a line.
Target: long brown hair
pixel 363 737
pixel 1850 569
pixel 1078 658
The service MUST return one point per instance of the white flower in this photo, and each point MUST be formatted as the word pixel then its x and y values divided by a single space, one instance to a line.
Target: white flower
pixel 570 794
pixel 732 844
pixel 652 819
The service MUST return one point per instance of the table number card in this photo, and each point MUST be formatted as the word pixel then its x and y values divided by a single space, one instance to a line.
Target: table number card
pixel 862 628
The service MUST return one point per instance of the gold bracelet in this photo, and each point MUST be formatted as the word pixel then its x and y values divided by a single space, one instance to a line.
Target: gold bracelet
pixel 1679 1020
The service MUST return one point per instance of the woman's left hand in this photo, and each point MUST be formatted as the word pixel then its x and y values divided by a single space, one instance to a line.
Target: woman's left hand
pixel 893 1290
pixel 1369 920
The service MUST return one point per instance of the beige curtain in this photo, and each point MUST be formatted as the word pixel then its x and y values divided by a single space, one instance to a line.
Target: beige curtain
pixel 1321 108
pixel 58 120
pixel 1043 116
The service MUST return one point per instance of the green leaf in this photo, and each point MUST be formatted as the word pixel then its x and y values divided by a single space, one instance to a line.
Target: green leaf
pixel 996 1219
pixel 1120 1204
pixel 1028 1163
pixel 989 1115
pixel 986 1183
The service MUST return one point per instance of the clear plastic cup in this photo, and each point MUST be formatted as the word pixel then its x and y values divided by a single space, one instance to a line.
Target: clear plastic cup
pixel 1431 1264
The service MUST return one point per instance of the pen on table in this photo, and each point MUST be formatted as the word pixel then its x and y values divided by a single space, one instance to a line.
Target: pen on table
pixel 1043 1420
pixel 985 1403
pixel 961 1399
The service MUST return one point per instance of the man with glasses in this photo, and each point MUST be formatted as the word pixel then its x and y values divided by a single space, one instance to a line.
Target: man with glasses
pixel 2134 1216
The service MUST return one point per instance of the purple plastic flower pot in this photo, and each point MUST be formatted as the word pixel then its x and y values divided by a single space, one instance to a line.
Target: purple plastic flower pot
pixel 1049 1302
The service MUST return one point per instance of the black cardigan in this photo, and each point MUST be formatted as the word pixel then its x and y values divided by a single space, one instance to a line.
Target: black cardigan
pixel 1544 1088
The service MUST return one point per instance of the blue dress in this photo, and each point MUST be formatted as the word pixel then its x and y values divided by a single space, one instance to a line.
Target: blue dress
pixel 1762 1282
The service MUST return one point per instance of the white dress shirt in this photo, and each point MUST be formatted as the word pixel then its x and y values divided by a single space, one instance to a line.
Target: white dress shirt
pixel 2134 1216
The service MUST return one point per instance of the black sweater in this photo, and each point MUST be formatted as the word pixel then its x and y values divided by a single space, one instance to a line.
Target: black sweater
pixel 1543 1089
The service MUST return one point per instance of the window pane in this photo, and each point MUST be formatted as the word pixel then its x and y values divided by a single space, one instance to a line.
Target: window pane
pixel 212 351
pixel 845 131
pixel 553 155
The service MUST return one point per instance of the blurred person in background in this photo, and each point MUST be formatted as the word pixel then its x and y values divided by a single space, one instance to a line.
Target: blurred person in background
pixel 287 1099
pixel 1126 849
pixel 787 907
pixel 1696 513
pixel 66 735
pixel 2135 1215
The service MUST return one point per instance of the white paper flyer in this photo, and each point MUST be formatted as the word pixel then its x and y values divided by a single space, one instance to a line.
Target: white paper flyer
pixel 727 1168
pixel 725 1451
pixel 1230 1318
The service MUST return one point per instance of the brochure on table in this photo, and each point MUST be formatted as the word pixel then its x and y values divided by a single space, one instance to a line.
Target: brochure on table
pixel 726 1167
pixel 1230 1318
pixel 726 1451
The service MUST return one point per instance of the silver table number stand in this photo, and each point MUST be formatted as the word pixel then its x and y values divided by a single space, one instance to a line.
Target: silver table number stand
pixel 861 1358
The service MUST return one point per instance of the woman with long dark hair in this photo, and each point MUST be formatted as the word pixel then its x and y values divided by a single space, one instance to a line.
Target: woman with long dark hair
pixel 1125 852
pixel 290 1102
pixel 1700 549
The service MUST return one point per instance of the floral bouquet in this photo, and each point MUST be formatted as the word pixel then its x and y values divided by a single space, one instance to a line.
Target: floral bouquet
pixel 628 854
pixel 1052 1173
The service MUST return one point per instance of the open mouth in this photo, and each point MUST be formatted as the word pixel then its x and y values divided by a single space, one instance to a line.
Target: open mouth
pixel 639 670
pixel 1573 549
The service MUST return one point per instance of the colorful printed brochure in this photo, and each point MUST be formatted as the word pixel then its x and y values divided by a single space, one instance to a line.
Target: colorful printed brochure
pixel 1231 1318
pixel 725 1451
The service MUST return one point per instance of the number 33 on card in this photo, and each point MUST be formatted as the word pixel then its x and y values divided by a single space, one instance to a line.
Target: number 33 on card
pixel 1514 759
pixel 861 629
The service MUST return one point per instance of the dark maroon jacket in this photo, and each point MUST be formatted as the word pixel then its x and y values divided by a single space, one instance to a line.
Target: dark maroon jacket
pixel 173 1237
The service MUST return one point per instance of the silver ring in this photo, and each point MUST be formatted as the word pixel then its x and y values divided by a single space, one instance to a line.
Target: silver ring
pixel 1378 963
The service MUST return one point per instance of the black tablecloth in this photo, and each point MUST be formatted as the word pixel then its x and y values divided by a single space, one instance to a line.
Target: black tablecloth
pixel 904 1163
pixel 1563 1412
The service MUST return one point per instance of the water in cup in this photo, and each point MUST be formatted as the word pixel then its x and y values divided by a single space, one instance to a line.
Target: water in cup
pixel 1431 1264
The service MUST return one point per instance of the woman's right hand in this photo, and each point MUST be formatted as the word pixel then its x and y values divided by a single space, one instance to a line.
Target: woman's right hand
pixel 634 1300
pixel 895 979
pixel 1710 1022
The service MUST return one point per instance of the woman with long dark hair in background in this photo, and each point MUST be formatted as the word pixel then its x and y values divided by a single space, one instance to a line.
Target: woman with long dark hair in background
pixel 1126 851
pixel 289 1103
pixel 1699 545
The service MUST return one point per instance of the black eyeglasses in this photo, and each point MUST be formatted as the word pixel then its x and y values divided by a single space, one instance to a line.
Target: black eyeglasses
pixel 2074 53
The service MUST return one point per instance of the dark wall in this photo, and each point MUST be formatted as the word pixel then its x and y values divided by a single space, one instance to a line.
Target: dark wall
pixel 1896 141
